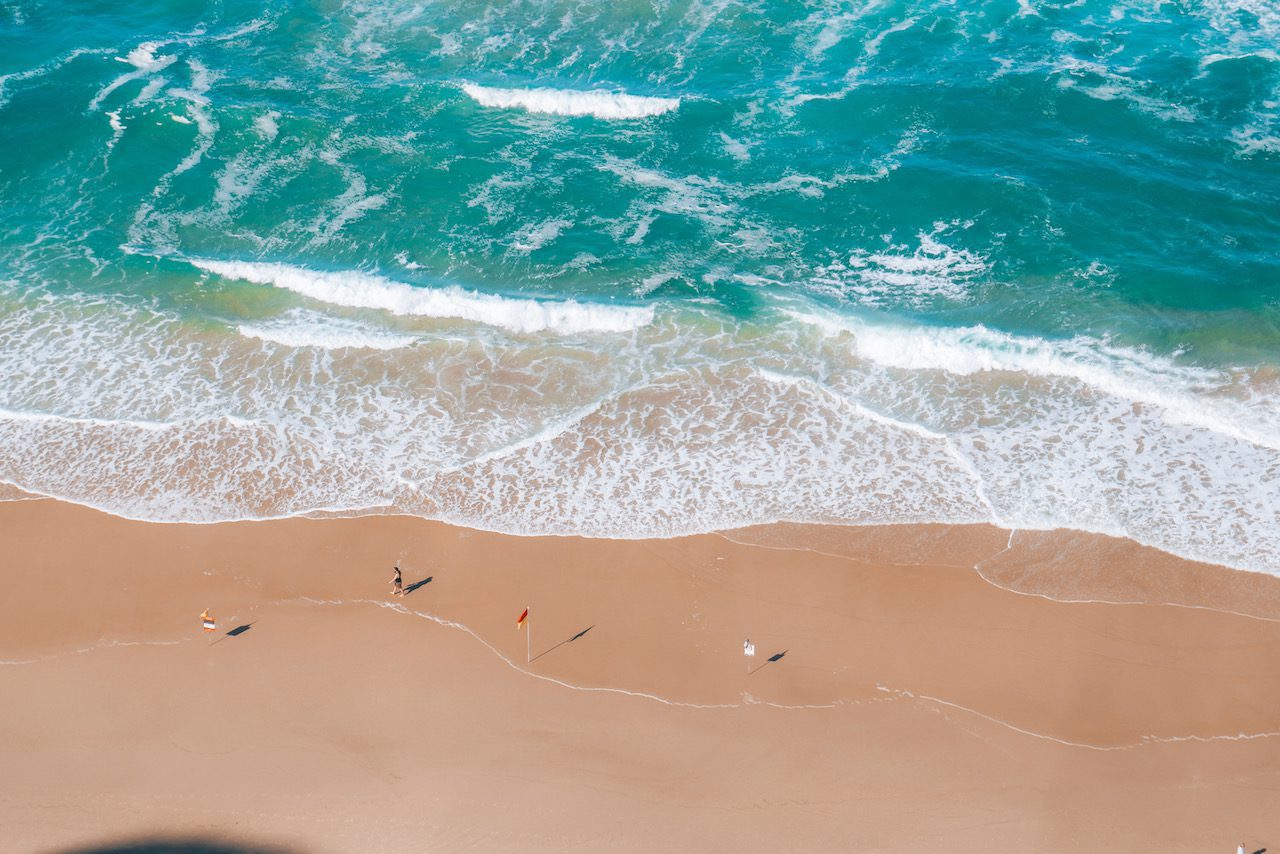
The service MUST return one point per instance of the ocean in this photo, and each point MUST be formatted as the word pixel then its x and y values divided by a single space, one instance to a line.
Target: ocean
pixel 642 269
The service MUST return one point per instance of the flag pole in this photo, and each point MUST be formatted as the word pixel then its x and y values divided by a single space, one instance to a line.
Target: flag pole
pixel 522 622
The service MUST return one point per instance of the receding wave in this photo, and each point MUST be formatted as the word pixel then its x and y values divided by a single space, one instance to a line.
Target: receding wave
pixel 683 425
pixel 568 102
pixel 1184 392
pixel 364 290
pixel 300 328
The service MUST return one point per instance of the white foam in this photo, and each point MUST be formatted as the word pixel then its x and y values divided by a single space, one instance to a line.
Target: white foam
pixel 567 102
pixel 364 290
pixel 933 270
pixel 117 131
pixel 354 203
pixel 144 62
pixel 1224 15
pixel 534 237
pixel 692 423
pixel 1213 58
pixel 855 407
pixel 641 230
pixel 1252 139
pixel 931 437
pixel 546 434
pixel 149 91
pixel 872 47
pixel 266 125
pixel 1126 373
pixel 143 57
pixel 201 81
pixel 205 128
pixel 814 186
pixel 652 283
pixel 20 415
pixel 1111 85
pixel 302 328
pixel 237 181
pixel 692 196
pixel 737 149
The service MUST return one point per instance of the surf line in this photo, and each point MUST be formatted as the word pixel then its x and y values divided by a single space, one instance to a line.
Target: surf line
pixel 977 567
pixel 102 644
pixel 896 693
pixel 666 701
pixel 1144 741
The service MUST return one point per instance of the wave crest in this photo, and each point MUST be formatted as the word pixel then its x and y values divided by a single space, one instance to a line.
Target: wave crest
pixel 365 290
pixel 568 102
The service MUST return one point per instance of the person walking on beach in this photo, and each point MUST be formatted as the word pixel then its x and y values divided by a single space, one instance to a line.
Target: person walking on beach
pixel 397 583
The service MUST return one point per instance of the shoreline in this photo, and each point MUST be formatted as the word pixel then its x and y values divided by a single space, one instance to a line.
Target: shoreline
pixel 852 540
pixel 916 683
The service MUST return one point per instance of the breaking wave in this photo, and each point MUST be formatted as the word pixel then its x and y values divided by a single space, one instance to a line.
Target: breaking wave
pixel 568 102
pixel 364 290
pixel 677 426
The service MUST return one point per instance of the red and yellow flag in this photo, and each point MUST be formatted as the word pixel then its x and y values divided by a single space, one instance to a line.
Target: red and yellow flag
pixel 520 620
pixel 207 619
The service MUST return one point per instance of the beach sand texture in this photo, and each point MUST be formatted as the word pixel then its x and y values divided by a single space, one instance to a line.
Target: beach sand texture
pixel 916 704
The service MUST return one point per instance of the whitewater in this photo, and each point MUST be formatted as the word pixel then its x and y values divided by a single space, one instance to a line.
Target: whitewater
pixel 651 271
pixel 558 102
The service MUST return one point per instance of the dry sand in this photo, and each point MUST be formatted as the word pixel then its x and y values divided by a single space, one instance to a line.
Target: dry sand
pixel 918 703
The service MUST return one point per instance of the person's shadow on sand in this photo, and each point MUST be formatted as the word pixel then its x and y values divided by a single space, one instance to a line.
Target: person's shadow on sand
pixel 417 584
pixel 178 845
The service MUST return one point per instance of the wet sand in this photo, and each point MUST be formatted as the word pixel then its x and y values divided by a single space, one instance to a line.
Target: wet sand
pixel 914 688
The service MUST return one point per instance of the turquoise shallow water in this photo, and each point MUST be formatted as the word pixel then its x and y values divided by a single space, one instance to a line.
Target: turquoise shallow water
pixel 648 268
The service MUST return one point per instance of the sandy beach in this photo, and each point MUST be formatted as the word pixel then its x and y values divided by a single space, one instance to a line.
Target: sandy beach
pixel 874 408
pixel 899 700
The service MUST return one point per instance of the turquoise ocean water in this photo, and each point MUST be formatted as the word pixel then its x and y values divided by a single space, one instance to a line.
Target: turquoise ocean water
pixel 648 268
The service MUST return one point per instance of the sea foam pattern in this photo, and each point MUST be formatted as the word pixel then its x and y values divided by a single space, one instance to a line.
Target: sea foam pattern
pixel 675 427
pixel 301 328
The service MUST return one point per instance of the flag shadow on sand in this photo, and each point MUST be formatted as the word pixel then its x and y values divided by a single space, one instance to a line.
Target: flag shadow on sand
pixel 234 633
pixel 562 643
pixel 777 656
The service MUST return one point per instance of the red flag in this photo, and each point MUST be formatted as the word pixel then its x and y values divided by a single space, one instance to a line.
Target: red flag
pixel 520 619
